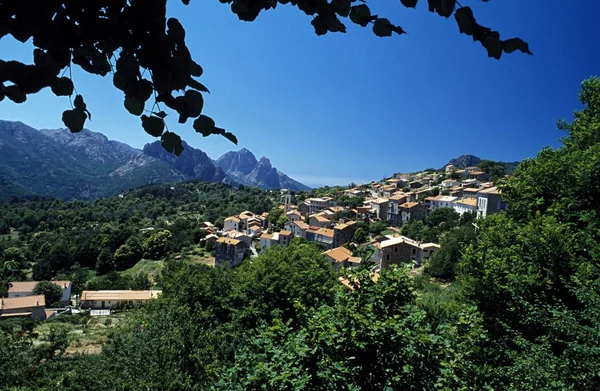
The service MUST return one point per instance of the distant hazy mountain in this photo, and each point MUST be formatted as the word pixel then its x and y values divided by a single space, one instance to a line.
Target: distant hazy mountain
pixel 242 167
pixel 60 164
pixel 87 165
pixel 464 161
pixel 192 163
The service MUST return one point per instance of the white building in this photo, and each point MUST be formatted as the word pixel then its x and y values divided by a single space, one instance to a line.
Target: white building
pixel 465 205
pixel 116 299
pixel 448 183
pixel 232 223
pixel 441 202
pixel 25 288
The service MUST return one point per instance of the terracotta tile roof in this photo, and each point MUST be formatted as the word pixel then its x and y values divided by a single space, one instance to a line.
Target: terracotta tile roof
pixel 285 233
pixel 12 303
pixel 119 295
pixel 470 190
pixel 301 224
pixel 246 215
pixel 409 205
pixel 491 190
pixel 338 254
pixel 228 241
pixel 321 219
pixel 266 236
pixel 27 286
pixel 233 218
pixel 467 201
pixel 398 240
pixel 321 231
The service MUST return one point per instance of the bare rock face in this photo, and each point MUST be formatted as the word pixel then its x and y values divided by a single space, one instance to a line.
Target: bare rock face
pixel 243 167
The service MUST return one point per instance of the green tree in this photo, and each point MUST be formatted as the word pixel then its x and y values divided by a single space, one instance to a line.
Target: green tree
pixel 497 170
pixel 443 219
pixel 444 261
pixel 50 290
pixel 155 244
pixel 105 262
pixel 360 236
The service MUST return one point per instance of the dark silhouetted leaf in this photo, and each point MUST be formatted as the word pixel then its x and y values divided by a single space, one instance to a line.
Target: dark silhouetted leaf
pixel 464 19
pixel 62 86
pixel 204 125
pixel 160 114
pixel 194 103
pixel 186 2
pixel 320 24
pixel 74 119
pixel 513 44
pixel 79 104
pixel 195 69
pixel 134 106
pixel 341 7
pixel 335 25
pixel 409 3
pixel 175 30
pixel 360 14
pixel 154 126
pixel 15 94
pixel 120 80
pixel 382 27
pixel 493 45
pixel 197 85
pixel 446 8
pixel 172 143
pixel 229 136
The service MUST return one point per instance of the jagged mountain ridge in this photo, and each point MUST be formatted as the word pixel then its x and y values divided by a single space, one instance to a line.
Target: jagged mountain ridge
pixel 87 165
pixel 464 161
pixel 243 167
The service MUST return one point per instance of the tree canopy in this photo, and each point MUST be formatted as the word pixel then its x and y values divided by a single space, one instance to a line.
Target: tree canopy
pixel 145 53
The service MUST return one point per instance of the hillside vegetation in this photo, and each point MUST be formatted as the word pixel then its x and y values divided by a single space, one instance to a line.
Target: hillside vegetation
pixel 521 314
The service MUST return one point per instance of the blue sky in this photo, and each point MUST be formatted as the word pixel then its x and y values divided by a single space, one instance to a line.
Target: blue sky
pixel 354 107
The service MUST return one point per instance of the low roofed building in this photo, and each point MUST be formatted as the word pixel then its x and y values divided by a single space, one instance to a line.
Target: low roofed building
pixel 116 298
pixel 33 307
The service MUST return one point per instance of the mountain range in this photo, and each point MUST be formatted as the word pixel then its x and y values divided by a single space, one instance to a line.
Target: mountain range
pixel 464 161
pixel 87 165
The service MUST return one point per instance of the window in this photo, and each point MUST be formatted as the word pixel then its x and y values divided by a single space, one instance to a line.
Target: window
pixel 396 249
pixel 414 251
pixel 387 257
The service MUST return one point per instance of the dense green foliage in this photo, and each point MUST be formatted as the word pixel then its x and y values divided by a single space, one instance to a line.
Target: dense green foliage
pixel 57 237
pixel 521 314
pixel 51 292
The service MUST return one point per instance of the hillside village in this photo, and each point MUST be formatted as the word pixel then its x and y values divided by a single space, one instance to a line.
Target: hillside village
pixel 394 201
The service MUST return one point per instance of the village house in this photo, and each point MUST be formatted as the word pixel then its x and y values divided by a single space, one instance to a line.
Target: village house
pixel 489 201
pixel 239 236
pixel 394 216
pixel 465 205
pixel 254 229
pixel 399 250
pixel 479 176
pixel 297 228
pixel 448 183
pixel 411 211
pixel 471 183
pixel 380 207
pixel 428 249
pixel 470 192
pixel 25 288
pixel 319 221
pixel 450 168
pixel 343 233
pixel 415 185
pixel 294 215
pixel 229 252
pixel 231 223
pixel 314 205
pixel 116 299
pixel 286 200
pixel 322 236
pixel 268 240
pixel 387 190
pixel 33 307
pixel 341 257
pixel 285 237
pixel 440 201
pixel 354 193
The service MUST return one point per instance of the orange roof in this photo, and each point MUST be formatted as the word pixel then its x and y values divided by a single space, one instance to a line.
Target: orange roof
pixel 28 286
pixel 285 233
pixel 321 231
pixel 228 241
pixel 232 218
pixel 246 215
pixel 119 295
pixel 467 201
pixel 409 205
pixel 491 190
pixel 338 254
pixel 12 303
pixel 266 236
pixel 301 224
pixel 321 219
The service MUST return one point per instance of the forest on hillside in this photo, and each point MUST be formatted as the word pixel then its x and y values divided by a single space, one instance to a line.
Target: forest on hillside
pixel 46 239
pixel 521 312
